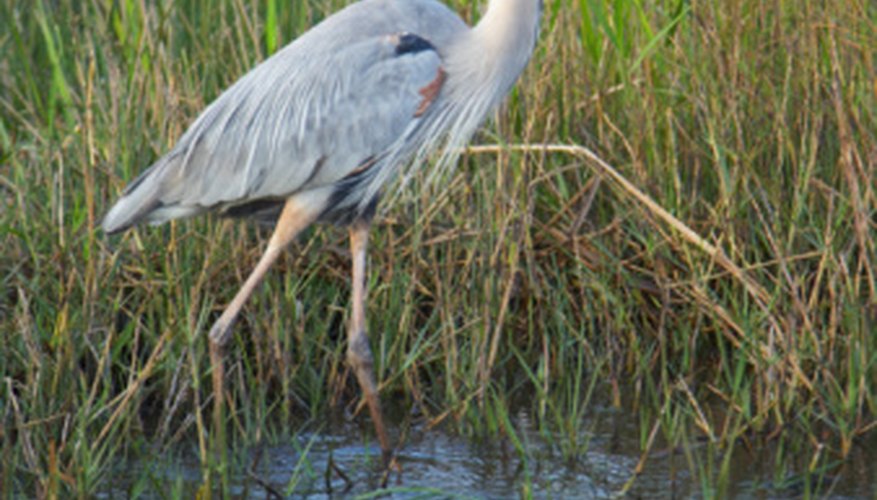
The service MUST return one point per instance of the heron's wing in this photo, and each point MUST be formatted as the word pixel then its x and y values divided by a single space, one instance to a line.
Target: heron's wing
pixel 307 117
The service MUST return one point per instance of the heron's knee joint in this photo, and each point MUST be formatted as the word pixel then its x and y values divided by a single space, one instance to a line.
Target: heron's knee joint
pixel 358 351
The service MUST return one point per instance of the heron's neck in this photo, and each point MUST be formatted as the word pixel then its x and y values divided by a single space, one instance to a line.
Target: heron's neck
pixel 509 25
pixel 506 34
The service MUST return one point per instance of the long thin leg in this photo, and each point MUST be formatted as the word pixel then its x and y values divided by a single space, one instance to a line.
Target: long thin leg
pixel 358 353
pixel 298 213
pixel 295 217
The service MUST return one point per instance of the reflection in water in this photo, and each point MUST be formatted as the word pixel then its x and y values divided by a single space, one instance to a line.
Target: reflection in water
pixel 437 464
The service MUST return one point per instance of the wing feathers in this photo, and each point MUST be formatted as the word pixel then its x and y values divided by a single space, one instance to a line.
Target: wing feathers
pixel 302 119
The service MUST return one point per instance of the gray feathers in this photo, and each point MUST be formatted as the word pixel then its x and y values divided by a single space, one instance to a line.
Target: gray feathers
pixel 345 106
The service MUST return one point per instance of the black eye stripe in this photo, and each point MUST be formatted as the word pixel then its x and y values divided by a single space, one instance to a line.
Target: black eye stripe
pixel 410 43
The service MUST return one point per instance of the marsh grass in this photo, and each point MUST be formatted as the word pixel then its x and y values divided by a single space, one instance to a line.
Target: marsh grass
pixel 720 283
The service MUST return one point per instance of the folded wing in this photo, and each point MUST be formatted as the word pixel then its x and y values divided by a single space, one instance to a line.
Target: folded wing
pixel 306 118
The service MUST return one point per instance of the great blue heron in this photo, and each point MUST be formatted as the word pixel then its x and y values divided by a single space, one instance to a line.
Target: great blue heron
pixel 316 130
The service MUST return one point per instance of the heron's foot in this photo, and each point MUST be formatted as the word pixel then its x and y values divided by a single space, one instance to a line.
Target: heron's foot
pixel 221 331
pixel 390 465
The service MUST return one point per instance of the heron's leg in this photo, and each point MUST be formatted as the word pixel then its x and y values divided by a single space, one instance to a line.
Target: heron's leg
pixel 297 214
pixel 294 218
pixel 358 353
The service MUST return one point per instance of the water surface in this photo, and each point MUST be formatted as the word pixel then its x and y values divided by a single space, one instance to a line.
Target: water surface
pixel 338 461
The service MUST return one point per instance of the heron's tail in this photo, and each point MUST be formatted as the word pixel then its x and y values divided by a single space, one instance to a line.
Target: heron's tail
pixel 137 201
pixel 149 198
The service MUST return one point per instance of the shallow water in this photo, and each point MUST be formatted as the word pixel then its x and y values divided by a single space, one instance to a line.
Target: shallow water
pixel 434 463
